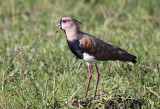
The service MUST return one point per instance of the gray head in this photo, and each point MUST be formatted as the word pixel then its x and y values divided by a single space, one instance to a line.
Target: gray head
pixel 68 24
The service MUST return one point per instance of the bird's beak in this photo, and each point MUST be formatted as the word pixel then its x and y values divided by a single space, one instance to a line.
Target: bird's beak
pixel 58 25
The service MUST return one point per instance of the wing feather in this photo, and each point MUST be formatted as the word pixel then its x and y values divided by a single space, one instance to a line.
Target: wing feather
pixel 104 51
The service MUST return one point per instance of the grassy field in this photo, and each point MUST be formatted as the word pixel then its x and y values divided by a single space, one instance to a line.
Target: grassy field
pixel 45 74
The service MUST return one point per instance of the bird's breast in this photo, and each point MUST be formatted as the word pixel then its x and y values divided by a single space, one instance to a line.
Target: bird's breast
pixel 76 50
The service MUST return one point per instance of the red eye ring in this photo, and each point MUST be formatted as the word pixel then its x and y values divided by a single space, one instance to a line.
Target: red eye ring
pixel 64 21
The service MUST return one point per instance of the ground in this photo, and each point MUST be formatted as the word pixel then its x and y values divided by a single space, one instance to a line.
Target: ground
pixel 43 73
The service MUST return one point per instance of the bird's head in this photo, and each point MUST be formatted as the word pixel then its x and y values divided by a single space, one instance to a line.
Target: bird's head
pixel 68 23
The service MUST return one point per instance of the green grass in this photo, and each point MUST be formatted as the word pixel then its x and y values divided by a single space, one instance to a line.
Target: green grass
pixel 46 73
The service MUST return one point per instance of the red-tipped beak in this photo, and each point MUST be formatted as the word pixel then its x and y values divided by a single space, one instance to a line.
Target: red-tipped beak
pixel 60 27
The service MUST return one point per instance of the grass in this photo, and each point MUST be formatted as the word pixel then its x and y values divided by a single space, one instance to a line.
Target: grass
pixel 45 74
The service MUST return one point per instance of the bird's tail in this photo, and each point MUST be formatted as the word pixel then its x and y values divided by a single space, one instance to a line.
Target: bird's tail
pixel 134 59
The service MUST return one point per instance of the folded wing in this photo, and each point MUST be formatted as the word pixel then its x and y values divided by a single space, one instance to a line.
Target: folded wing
pixel 103 51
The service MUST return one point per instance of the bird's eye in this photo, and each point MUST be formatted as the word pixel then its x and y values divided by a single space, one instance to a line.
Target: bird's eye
pixel 64 21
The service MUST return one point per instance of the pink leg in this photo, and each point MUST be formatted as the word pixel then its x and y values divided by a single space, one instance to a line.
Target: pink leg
pixel 90 77
pixel 96 81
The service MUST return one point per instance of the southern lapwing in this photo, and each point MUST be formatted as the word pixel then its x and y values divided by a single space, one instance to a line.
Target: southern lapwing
pixel 90 48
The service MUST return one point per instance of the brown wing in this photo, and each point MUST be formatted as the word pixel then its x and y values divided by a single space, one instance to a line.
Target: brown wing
pixel 104 51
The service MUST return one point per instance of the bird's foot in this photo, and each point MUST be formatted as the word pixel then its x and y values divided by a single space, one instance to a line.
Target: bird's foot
pixel 84 100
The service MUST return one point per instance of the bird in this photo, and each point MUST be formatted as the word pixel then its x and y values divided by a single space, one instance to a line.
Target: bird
pixel 90 48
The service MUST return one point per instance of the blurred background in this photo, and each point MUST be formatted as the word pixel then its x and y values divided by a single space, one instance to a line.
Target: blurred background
pixel 45 74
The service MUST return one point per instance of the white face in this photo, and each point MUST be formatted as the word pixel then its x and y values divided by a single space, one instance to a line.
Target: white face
pixel 67 23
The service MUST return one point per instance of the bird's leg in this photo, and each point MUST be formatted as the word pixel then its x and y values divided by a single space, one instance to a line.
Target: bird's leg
pixel 96 81
pixel 90 77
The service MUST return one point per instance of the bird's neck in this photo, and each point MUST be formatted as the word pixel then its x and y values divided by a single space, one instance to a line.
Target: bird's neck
pixel 72 34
